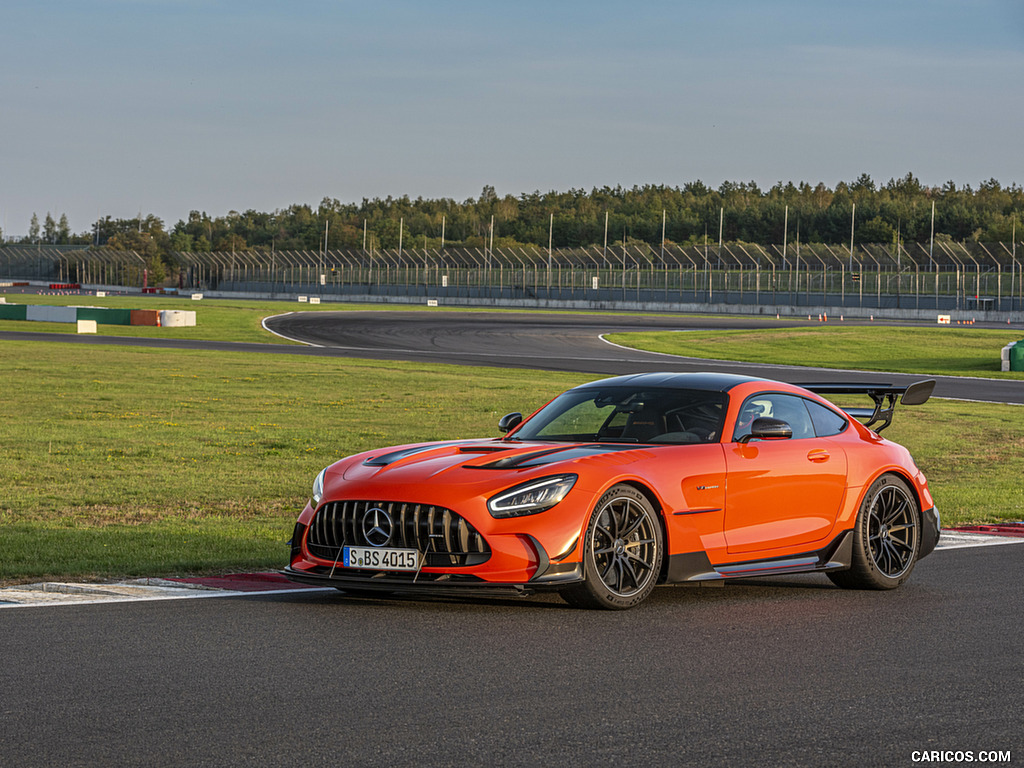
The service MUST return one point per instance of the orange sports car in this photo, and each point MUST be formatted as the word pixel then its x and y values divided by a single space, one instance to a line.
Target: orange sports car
pixel 625 483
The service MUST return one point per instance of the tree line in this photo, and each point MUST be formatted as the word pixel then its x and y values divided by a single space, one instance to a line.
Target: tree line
pixel 901 209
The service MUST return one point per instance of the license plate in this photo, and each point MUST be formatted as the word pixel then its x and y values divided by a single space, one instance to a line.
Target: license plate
pixel 381 559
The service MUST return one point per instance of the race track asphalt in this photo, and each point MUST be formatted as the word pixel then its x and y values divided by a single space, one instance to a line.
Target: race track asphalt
pixel 781 671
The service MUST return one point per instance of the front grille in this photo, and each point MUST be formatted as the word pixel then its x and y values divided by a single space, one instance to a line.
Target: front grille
pixel 445 537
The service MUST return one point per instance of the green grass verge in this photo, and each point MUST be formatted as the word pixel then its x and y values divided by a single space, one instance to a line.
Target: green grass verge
pixel 950 351
pixel 122 462
pixel 126 461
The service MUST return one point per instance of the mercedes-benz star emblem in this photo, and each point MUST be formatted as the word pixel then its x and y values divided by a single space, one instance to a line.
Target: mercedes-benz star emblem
pixel 377 527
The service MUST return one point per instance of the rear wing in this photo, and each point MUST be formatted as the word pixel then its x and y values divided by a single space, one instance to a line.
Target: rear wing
pixel 883 395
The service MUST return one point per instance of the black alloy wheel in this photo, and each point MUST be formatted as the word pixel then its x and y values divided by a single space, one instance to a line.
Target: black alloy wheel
pixel 888 537
pixel 622 552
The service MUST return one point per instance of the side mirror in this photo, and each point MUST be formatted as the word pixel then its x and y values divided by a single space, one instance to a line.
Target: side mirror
pixel 509 421
pixel 764 428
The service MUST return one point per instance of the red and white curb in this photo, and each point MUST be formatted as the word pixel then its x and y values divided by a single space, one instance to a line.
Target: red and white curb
pixel 255 584
pixel 961 539
pixel 70 593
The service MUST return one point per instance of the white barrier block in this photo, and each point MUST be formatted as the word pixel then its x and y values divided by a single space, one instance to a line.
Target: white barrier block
pixel 314 299
pixel 47 314
pixel 87 326
pixel 197 297
pixel 177 318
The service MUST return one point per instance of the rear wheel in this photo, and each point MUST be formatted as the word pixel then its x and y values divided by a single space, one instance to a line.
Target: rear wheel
pixel 887 538
pixel 622 552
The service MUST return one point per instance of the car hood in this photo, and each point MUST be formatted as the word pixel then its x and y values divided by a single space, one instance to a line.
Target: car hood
pixel 474 461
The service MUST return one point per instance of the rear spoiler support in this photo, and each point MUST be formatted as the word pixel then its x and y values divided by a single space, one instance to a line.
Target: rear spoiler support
pixel 883 395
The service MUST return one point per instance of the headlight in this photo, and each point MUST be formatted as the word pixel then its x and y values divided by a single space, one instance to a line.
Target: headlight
pixel 532 497
pixel 318 486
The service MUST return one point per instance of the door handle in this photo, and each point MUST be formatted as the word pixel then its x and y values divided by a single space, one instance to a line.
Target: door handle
pixel 818 455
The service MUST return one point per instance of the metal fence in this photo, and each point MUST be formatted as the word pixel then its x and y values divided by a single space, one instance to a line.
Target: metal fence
pixel 972 276
pixel 71 264
pixel 979 276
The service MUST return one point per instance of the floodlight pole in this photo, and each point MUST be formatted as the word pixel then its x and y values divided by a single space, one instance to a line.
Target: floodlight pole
pixel 551 231
pixel 931 247
pixel 853 217
pixel 663 215
pixel 785 236
pixel 606 237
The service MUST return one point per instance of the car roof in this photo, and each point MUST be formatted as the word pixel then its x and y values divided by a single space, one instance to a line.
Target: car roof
pixel 710 382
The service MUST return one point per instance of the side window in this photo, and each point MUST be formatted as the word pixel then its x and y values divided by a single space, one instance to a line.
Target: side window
pixel 826 421
pixel 788 408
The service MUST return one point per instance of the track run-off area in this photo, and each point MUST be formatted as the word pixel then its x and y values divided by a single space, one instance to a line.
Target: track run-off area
pixel 768 671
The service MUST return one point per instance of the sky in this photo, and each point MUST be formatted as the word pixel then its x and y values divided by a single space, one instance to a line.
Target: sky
pixel 120 107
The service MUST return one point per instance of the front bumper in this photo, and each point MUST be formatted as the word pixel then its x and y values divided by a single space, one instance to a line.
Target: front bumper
pixel 440 584
pixel 522 554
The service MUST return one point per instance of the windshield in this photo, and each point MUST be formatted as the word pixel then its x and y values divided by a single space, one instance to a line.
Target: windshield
pixel 624 414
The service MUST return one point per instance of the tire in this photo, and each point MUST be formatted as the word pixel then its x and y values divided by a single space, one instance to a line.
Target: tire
pixel 887 538
pixel 622 554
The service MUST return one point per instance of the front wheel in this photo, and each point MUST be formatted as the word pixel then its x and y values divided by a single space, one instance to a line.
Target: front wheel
pixel 622 552
pixel 887 537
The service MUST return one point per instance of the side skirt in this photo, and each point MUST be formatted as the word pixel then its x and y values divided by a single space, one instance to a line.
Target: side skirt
pixel 696 567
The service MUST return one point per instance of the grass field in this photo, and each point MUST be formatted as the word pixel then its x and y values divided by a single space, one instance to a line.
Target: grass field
pixel 125 461
pixel 130 461
pixel 931 350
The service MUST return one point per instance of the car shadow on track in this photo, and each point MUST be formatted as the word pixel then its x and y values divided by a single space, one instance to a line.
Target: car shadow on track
pixel 761 587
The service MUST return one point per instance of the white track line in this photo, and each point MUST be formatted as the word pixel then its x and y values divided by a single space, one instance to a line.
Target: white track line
pixel 263 323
